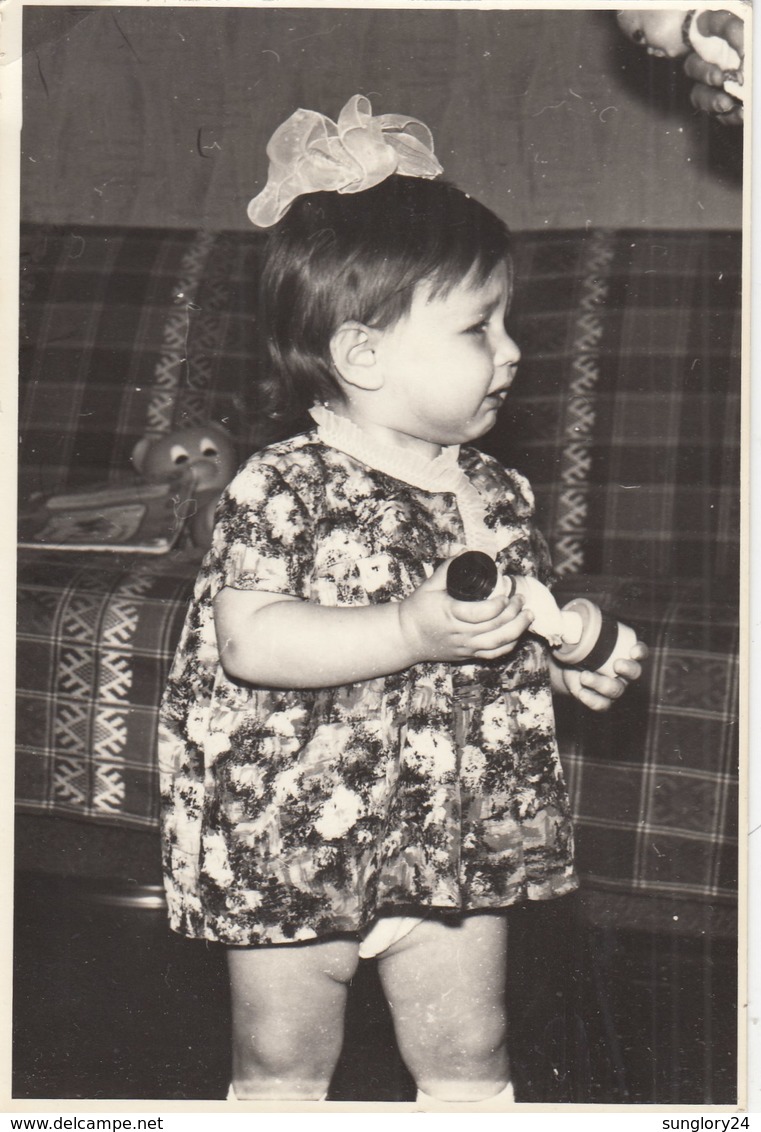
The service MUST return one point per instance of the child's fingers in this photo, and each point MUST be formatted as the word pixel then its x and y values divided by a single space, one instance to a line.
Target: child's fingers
pixel 511 624
pixel 609 686
pixel 501 638
pixel 599 692
pixel 496 653
pixel 627 669
pixel 477 612
pixel 703 72
pixel 496 611
pixel 725 24
pixel 593 700
pixel 725 109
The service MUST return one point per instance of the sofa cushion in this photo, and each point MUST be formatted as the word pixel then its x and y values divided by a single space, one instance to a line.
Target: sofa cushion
pixel 95 639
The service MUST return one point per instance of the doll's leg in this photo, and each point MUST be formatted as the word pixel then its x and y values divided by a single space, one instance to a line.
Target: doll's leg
pixel 445 985
pixel 288 1006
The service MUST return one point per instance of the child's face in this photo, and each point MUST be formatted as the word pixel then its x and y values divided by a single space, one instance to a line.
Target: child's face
pixel 659 31
pixel 447 364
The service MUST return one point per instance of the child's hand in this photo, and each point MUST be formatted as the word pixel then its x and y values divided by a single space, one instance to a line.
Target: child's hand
pixel 595 691
pixel 708 93
pixel 437 627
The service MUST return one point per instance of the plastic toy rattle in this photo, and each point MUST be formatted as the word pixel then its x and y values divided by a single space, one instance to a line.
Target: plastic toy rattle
pixel 580 634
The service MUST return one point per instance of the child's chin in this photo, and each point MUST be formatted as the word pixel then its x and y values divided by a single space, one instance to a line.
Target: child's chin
pixel 476 430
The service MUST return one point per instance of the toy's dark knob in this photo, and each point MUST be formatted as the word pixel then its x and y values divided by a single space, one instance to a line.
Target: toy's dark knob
pixel 603 640
pixel 471 576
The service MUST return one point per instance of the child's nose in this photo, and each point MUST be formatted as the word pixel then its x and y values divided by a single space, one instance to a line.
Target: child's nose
pixel 506 350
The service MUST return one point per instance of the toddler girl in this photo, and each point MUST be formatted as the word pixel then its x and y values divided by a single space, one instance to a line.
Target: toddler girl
pixel 354 763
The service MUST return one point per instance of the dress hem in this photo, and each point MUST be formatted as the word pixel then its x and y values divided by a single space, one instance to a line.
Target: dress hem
pixel 178 923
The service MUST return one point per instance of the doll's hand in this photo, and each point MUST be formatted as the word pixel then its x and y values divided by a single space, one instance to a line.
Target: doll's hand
pixel 595 691
pixel 437 627
pixel 708 94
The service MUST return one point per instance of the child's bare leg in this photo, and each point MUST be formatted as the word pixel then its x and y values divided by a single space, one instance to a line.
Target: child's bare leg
pixel 445 985
pixel 288 1006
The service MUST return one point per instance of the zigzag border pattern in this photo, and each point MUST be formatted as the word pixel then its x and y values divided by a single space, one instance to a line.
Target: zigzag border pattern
pixel 192 407
pixel 169 368
pixel 91 722
pixel 581 414
pixel 110 729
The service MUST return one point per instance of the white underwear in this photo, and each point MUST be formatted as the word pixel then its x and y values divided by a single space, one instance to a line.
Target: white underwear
pixel 384 932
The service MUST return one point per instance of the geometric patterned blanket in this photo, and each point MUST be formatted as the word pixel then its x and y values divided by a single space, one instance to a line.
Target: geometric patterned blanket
pixel 95 635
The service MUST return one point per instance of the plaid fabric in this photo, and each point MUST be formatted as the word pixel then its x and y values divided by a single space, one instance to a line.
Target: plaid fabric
pixel 95 638
pixel 124 333
pixel 625 417
pixel 626 412
pixel 653 783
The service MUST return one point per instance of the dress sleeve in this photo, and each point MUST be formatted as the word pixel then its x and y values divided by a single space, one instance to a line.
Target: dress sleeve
pixel 263 534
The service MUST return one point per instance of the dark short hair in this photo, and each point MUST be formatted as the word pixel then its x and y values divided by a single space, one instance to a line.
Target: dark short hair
pixel 336 257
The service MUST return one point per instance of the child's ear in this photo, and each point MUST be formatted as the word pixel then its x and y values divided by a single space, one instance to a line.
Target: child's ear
pixel 352 349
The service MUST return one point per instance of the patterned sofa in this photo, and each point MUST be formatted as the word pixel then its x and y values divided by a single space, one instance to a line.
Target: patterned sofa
pixel 626 418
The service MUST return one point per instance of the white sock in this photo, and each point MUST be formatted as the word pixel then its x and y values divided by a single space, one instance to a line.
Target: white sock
pixel 503 1099
pixel 232 1097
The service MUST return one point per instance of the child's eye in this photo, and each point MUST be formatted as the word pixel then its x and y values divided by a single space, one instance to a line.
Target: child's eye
pixel 479 327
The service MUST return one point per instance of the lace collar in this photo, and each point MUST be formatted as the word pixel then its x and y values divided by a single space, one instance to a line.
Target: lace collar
pixel 429 473
pixel 441 473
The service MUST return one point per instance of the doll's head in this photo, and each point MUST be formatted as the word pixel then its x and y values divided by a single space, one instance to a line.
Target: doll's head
pixel 338 258
pixel 661 31
pixel 207 450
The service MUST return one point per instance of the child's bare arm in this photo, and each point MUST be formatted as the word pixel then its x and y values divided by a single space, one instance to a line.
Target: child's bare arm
pixel 280 641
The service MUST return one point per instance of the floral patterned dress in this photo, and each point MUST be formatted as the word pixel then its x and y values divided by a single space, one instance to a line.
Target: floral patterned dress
pixel 295 814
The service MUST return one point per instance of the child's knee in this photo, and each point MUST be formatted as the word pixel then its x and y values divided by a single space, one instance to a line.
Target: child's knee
pixel 469 1040
pixel 288 1017
pixel 274 1050
pixel 483 1037
pixel 311 1058
pixel 454 1047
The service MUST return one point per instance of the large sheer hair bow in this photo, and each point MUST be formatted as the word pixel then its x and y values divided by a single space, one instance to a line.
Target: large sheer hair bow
pixel 309 153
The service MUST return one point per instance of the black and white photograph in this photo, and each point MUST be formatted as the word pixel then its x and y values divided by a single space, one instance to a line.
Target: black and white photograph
pixel 382 572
